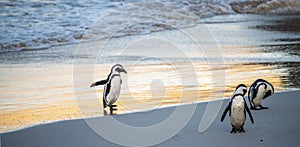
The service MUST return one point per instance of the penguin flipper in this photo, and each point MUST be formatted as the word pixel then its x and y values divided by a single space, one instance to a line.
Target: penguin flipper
pixel 225 111
pixel 102 82
pixel 249 112
pixel 250 95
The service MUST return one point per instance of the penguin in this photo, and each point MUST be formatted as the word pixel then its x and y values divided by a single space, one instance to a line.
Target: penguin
pixel 259 90
pixel 241 89
pixel 112 87
pixel 237 108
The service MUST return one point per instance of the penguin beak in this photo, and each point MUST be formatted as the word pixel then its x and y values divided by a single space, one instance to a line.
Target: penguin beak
pixel 121 70
pixel 245 91
pixel 124 71
pixel 269 93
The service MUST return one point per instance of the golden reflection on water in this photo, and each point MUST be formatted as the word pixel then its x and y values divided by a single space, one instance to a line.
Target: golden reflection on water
pixel 35 95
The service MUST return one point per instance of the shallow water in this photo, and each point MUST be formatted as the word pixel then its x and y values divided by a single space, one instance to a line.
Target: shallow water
pixel 41 24
pixel 164 68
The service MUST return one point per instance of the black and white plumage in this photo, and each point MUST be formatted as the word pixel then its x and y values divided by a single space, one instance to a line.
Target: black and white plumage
pixel 237 108
pixel 259 90
pixel 112 86
pixel 240 89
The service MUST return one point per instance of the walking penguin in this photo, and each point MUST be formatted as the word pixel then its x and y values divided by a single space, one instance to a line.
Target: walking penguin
pixel 112 87
pixel 237 108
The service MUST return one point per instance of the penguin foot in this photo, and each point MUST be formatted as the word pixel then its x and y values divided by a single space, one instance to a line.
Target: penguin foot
pixel 262 107
pixel 242 130
pixel 112 108
pixel 111 112
pixel 233 131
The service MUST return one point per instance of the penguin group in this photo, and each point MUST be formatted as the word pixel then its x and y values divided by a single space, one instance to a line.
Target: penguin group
pixel 237 106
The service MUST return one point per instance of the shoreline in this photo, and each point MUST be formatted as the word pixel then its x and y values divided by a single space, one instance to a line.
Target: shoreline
pixel 50 70
pixel 202 21
pixel 138 111
pixel 275 119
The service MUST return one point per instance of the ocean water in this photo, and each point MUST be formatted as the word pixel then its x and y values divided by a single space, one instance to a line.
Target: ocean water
pixel 45 80
pixel 41 24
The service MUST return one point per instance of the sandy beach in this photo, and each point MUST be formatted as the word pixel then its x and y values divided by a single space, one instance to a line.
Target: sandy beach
pixel 39 87
pixel 179 55
pixel 277 126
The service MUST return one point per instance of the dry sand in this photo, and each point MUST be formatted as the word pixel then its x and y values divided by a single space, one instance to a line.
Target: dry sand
pixel 277 126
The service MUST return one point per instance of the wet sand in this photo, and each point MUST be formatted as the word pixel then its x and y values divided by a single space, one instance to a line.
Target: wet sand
pixel 49 96
pixel 276 126
pixel 37 86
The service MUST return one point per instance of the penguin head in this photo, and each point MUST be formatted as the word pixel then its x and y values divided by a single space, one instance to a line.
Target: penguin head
pixel 241 89
pixel 269 90
pixel 268 93
pixel 118 68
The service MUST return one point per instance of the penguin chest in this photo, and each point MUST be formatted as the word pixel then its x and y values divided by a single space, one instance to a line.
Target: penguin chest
pixel 237 117
pixel 114 90
pixel 257 100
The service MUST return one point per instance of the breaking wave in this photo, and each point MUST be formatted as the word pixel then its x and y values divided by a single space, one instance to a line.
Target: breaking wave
pixel 42 24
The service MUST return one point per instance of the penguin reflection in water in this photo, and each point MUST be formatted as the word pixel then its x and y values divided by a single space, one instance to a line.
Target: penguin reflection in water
pixel 259 90
pixel 237 108
pixel 112 87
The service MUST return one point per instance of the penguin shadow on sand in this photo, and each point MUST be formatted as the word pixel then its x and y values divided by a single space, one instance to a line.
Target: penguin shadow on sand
pixel 112 88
